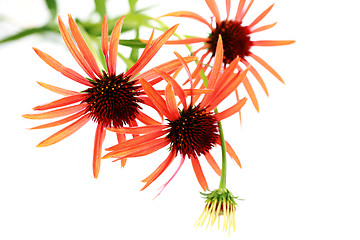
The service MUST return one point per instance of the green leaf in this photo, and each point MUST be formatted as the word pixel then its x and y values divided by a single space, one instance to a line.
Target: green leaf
pixel 133 43
pixel 132 4
pixel 27 32
pixel 100 7
pixel 52 6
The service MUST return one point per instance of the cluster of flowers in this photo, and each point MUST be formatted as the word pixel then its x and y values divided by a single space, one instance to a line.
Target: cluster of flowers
pixel 190 125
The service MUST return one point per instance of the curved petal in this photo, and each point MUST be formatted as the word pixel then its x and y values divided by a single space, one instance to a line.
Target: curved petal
pixel 267 66
pixel 99 139
pixel 56 113
pixel 60 68
pixel 257 76
pixel 261 16
pixel 157 99
pixel 270 43
pixel 171 101
pixel 146 56
pixel 163 166
pixel 139 130
pixel 65 132
pixel 83 47
pixel 263 28
pixel 187 41
pixel 199 173
pixel 239 11
pixel 188 15
pixel 214 9
pixel 62 102
pixel 230 111
pixel 177 88
pixel 213 163
pixel 113 48
pixel 74 51
pixel 142 117
pixel 61 121
pixel 58 90
pixel 105 37
pixel 121 137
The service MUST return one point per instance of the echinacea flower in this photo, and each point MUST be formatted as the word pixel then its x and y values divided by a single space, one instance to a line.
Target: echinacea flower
pixel 219 203
pixel 111 99
pixel 190 132
pixel 236 38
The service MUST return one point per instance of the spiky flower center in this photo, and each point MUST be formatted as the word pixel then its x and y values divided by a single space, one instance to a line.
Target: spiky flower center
pixel 113 101
pixel 194 133
pixel 236 40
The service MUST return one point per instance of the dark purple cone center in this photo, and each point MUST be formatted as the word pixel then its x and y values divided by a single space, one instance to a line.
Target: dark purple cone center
pixel 113 101
pixel 236 40
pixel 194 133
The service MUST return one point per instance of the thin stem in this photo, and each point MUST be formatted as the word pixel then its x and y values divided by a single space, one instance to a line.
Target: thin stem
pixel 223 155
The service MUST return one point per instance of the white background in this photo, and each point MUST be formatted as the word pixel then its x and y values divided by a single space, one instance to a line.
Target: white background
pixel 300 154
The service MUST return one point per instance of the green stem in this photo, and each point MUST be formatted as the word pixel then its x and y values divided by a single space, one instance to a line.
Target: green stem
pixel 223 155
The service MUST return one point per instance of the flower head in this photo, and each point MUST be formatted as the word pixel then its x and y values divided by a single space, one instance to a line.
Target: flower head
pixel 236 38
pixel 219 203
pixel 110 99
pixel 190 132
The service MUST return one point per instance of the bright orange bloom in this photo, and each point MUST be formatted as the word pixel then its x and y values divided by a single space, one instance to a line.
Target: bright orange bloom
pixel 236 38
pixel 190 132
pixel 110 100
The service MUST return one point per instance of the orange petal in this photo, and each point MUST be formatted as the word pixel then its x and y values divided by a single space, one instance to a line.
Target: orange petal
pixel 113 49
pixel 269 43
pixel 246 10
pixel 163 166
pixel 142 117
pixel 58 90
pixel 142 149
pixel 239 78
pixel 135 142
pixel 83 47
pixel 105 37
pixel 139 130
pixel 73 50
pixel 261 16
pixel 62 102
pixel 187 41
pixel 213 163
pixel 257 76
pixel 188 15
pixel 239 11
pixel 217 64
pixel 177 88
pixel 199 173
pixel 251 93
pixel 230 111
pixel 121 137
pixel 267 66
pixel 214 9
pixel 156 99
pixel 99 139
pixel 56 113
pixel 61 121
pixel 65 132
pixel 145 58
pixel 171 101
pixel 60 68
pixel 232 153
pixel 263 28
pixel 228 2
pixel 168 67
pixel 176 171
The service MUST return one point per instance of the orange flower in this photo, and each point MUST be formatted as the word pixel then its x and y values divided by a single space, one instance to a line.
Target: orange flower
pixel 190 132
pixel 237 40
pixel 110 100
